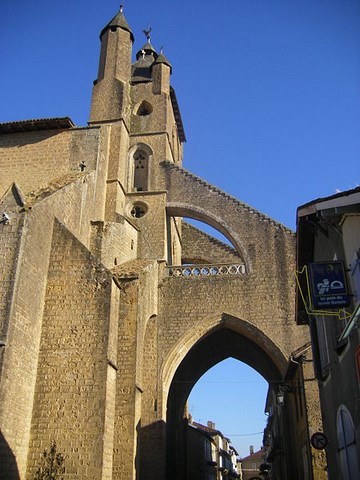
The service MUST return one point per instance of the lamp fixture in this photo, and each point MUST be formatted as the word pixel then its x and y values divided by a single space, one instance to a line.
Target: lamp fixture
pixel 280 397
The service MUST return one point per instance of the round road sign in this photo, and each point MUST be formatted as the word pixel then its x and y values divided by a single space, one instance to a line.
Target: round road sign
pixel 319 440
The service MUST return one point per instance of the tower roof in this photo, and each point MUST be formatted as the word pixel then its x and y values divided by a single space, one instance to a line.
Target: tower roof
pixel 148 49
pixel 162 59
pixel 119 21
pixel 141 69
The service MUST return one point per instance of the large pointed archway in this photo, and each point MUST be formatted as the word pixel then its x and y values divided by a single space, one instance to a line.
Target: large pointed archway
pixel 220 343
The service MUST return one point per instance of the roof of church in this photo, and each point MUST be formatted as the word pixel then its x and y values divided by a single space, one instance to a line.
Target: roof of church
pixel 177 114
pixel 37 124
pixel 141 69
pixel 148 49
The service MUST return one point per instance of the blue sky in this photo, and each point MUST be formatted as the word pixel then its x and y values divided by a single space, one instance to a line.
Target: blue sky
pixel 269 90
pixel 232 395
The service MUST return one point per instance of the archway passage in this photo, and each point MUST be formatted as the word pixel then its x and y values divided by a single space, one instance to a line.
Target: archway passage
pixel 231 396
pixel 212 349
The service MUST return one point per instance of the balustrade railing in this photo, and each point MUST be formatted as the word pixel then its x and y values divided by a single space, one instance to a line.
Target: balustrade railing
pixel 206 270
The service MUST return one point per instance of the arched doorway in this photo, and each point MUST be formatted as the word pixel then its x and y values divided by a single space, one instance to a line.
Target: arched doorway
pixel 221 343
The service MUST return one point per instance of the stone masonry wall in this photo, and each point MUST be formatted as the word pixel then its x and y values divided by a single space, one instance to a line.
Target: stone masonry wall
pixel 69 405
pixel 159 127
pixel 191 307
pixel 199 247
pixel 10 236
pixel 10 240
pixel 138 306
pixel 114 242
pixel 152 241
pixel 126 388
pixel 33 159
pixel 264 297
pixel 256 236
pixel 73 205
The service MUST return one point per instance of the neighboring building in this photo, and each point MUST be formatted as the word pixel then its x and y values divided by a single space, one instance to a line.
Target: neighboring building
pixel 111 306
pixel 273 450
pixel 289 409
pixel 328 247
pixel 210 455
pixel 201 455
pixel 251 465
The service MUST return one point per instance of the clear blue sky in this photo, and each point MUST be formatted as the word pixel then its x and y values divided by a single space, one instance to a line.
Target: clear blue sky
pixel 232 395
pixel 269 90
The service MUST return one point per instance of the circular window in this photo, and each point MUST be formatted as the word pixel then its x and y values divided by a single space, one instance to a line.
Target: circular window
pixel 138 210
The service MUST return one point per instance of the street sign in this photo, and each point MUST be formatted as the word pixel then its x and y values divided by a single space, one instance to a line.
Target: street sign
pixel 319 440
pixel 328 285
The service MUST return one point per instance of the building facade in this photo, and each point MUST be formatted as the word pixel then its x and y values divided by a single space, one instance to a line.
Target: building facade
pixel 210 454
pixel 111 306
pixel 251 466
pixel 328 261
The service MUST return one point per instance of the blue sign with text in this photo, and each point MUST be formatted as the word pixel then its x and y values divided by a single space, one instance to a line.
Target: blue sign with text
pixel 328 285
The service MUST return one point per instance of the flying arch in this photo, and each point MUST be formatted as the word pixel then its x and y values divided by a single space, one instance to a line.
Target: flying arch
pixel 215 221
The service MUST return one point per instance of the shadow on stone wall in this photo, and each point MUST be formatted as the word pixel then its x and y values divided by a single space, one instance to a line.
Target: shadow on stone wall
pixel 151 445
pixel 8 466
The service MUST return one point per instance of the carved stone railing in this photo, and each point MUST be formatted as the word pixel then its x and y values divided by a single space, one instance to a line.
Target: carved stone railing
pixel 206 270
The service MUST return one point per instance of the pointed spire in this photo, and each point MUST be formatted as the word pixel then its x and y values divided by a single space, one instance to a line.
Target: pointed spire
pixel 119 21
pixel 108 97
pixel 147 49
pixel 162 59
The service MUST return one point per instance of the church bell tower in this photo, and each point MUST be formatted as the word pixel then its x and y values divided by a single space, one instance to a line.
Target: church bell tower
pixel 138 106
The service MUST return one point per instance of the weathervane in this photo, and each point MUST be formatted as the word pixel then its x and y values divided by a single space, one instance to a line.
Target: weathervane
pixel 147 32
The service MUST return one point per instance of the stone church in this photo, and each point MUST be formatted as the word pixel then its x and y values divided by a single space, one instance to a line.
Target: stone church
pixel 111 305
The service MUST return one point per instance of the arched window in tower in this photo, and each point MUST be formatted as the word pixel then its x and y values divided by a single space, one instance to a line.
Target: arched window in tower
pixel 141 170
